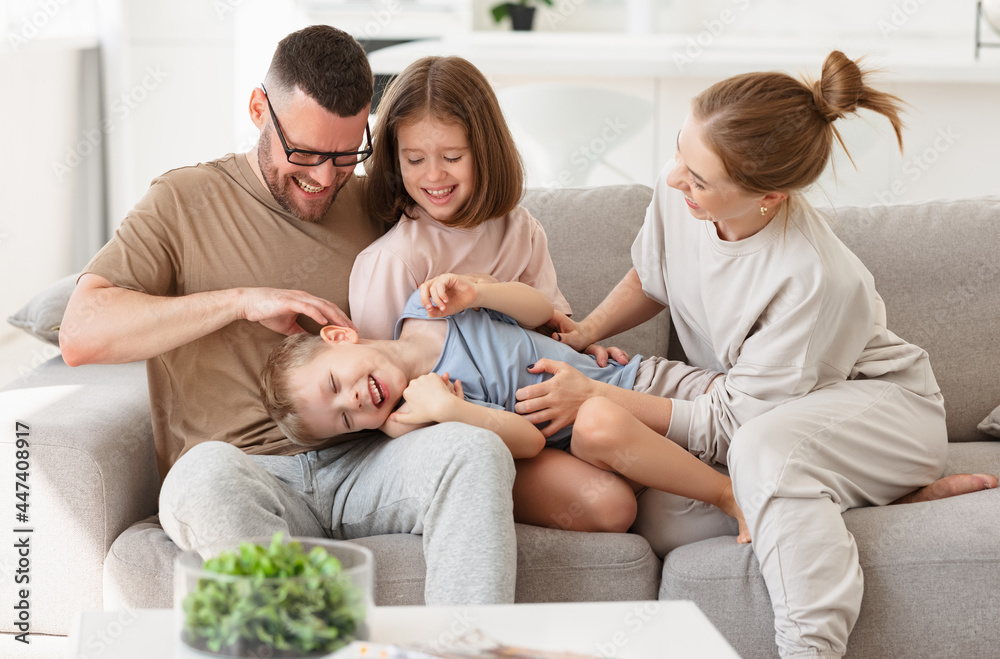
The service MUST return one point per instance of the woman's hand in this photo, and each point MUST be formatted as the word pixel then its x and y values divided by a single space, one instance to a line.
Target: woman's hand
pixel 557 399
pixel 602 354
pixel 448 294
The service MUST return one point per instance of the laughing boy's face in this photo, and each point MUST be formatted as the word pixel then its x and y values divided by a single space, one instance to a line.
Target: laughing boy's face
pixel 348 387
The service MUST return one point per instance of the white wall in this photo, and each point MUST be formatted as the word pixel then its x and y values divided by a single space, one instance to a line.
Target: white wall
pixel 178 76
pixel 775 18
pixel 50 172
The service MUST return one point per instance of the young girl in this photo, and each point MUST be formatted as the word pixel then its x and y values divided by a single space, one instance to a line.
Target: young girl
pixel 446 171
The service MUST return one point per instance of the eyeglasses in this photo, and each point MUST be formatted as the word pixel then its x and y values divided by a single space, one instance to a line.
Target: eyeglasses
pixel 305 158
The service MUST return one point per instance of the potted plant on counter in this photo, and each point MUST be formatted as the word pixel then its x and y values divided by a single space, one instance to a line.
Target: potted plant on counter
pixel 522 12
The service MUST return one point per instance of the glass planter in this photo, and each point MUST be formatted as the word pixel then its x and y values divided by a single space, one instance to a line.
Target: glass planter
pixel 221 615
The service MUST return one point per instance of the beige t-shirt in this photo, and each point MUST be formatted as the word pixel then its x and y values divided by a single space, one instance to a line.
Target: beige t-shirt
pixel 215 226
pixel 511 248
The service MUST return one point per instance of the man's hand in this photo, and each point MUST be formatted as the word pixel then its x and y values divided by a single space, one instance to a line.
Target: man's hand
pixel 448 294
pixel 557 399
pixel 277 309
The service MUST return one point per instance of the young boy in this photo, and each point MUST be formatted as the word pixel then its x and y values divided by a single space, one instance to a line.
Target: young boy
pixel 466 369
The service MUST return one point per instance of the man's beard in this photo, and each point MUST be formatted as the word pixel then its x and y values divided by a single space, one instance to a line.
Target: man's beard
pixel 281 189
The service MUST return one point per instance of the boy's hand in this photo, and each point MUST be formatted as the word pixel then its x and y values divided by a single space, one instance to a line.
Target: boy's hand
pixel 448 294
pixel 428 398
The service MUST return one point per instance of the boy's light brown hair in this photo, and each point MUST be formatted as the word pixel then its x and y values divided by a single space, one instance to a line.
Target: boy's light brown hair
pixel 276 388
pixel 453 91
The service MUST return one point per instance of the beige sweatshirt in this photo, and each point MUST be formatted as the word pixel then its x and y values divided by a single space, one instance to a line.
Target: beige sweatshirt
pixel 782 313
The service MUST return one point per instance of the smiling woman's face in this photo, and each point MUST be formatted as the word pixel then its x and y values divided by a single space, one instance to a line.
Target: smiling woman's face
pixel 710 193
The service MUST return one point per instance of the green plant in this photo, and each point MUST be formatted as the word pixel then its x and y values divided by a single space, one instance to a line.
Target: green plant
pixel 279 598
pixel 499 11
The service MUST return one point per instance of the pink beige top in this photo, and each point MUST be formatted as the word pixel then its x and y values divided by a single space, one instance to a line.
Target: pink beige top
pixel 511 248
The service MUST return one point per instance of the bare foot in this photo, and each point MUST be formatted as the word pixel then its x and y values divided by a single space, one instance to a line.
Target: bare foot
pixel 950 486
pixel 728 506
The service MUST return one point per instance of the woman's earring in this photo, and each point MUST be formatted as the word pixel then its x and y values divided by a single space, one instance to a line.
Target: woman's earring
pixel 763 211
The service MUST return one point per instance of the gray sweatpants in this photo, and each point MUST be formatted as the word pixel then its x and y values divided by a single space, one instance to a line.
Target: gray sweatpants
pixel 795 469
pixel 450 483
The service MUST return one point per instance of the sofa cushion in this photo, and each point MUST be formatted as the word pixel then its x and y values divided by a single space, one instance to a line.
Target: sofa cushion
pixel 991 424
pixel 552 566
pixel 139 569
pixel 928 569
pixel 83 486
pixel 935 266
pixel 43 313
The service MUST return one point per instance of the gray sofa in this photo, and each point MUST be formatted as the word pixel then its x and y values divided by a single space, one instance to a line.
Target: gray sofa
pixel 932 570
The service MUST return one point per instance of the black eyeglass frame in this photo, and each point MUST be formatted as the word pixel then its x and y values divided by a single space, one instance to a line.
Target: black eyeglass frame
pixel 359 156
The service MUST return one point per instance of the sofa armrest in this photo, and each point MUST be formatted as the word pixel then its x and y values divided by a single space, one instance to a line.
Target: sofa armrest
pixel 92 473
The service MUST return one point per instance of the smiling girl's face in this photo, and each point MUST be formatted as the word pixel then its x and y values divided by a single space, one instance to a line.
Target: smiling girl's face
pixel 436 164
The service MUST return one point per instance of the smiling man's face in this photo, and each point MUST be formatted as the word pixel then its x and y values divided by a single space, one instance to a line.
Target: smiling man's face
pixel 305 192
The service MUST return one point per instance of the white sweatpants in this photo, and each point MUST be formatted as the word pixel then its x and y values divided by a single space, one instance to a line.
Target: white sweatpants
pixel 795 469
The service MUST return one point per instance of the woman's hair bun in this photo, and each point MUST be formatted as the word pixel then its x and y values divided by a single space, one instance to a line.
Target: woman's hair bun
pixel 775 132
pixel 841 88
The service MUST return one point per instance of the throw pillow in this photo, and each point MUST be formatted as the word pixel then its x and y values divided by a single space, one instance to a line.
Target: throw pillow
pixel 991 424
pixel 43 313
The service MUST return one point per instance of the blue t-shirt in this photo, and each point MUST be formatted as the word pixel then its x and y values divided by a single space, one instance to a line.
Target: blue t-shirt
pixel 489 352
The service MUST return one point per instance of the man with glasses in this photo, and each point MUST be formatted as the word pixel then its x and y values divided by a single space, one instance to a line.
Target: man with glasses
pixel 207 274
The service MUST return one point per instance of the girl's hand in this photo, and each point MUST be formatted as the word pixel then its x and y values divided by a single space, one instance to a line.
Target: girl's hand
pixel 482 278
pixel 557 399
pixel 569 332
pixel 572 333
pixel 448 294
pixel 428 399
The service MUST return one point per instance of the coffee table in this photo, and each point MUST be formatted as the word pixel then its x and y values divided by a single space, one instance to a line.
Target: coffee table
pixel 623 630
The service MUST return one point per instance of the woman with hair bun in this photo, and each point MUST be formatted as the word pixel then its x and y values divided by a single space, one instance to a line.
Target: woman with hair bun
pixel 820 407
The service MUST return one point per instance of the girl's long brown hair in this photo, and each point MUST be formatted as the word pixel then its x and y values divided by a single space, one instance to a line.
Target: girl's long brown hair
pixel 453 91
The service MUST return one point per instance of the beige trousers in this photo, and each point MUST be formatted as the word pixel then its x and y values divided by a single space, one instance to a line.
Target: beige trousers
pixel 795 469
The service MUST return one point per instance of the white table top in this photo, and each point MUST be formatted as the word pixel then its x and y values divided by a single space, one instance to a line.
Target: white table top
pixel 624 630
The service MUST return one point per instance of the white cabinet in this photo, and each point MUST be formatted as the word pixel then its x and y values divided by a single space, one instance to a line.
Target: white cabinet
pixel 951 138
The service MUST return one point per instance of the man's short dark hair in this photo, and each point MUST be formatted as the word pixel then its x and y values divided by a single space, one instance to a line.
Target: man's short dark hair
pixel 328 64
